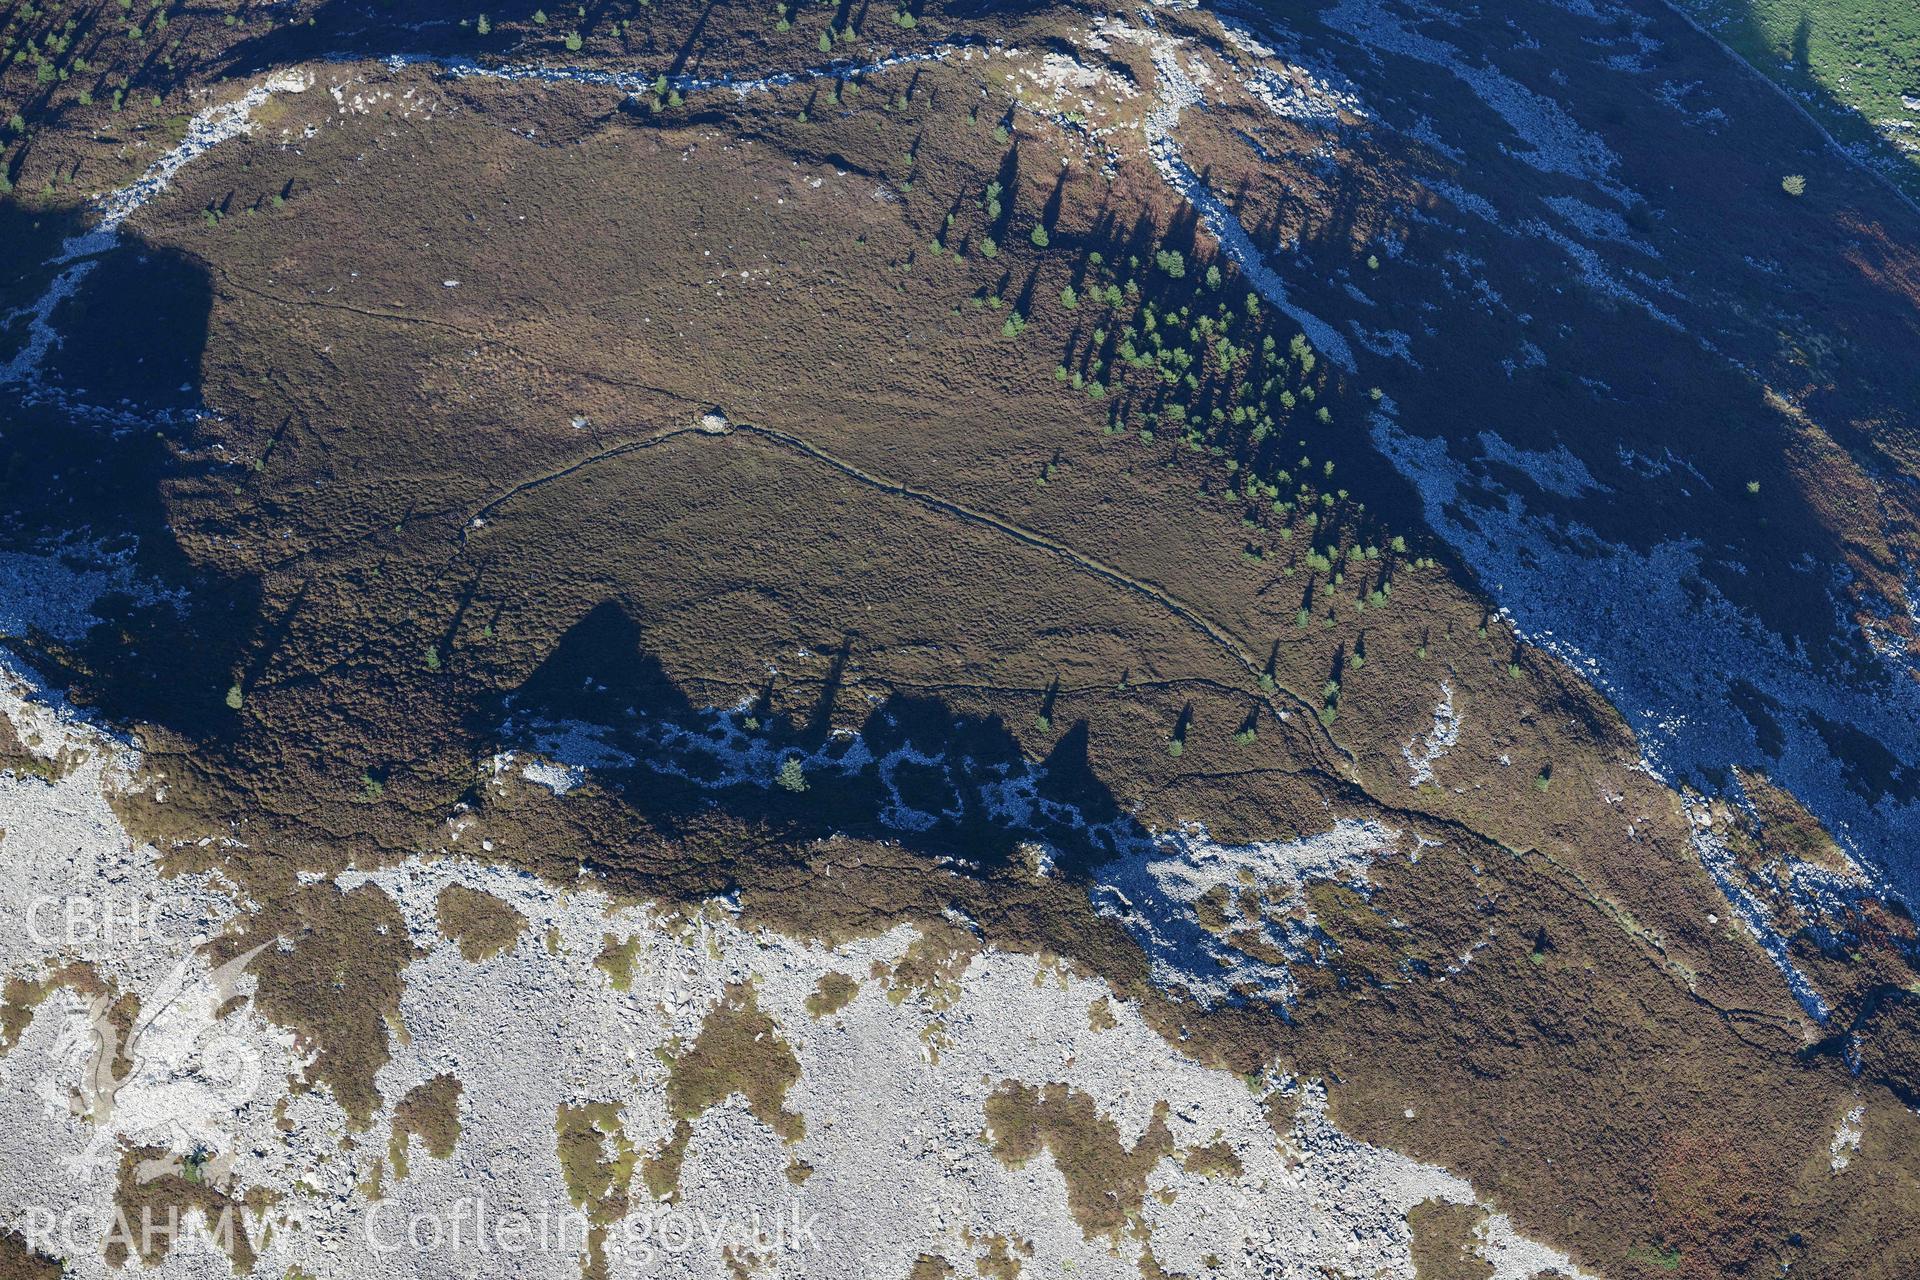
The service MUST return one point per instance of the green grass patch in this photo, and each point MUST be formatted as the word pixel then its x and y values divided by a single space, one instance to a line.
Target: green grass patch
pixel 1849 61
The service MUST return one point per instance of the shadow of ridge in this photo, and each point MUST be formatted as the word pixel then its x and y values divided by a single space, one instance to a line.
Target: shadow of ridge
pixel 941 784
pixel 29 238
pixel 86 462
pixel 133 333
pixel 1637 391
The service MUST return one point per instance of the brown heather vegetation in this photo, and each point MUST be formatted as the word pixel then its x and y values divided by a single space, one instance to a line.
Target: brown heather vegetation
pixel 597 1162
pixel 19 1262
pixel 834 992
pixel 1444 1240
pixel 739 1050
pixel 480 923
pixel 394 523
pixel 1106 1180
pixel 156 1191
pixel 430 1110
